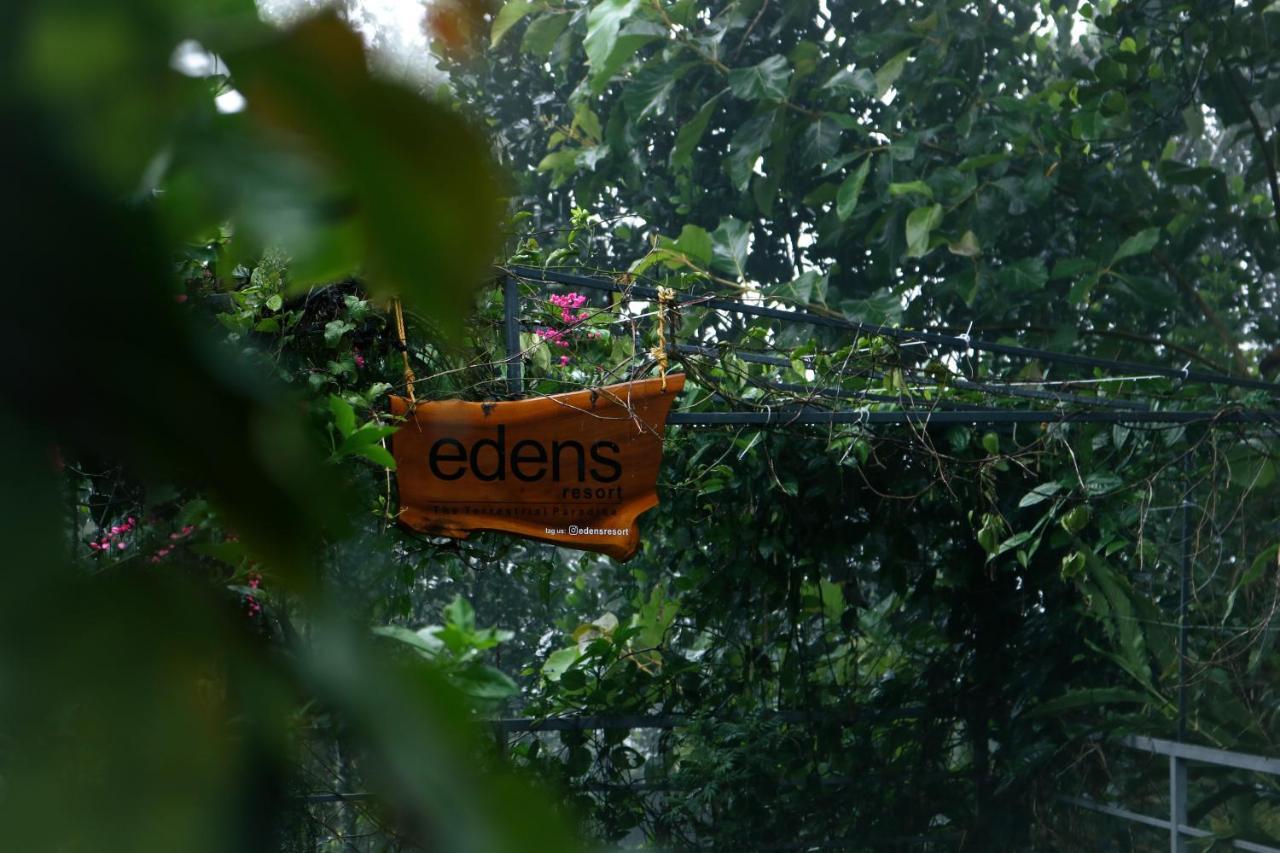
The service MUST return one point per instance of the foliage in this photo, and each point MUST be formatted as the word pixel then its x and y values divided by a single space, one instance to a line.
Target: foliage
pixel 1096 178
pixel 845 636
pixel 182 684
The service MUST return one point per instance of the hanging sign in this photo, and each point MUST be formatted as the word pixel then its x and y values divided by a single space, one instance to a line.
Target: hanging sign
pixel 575 469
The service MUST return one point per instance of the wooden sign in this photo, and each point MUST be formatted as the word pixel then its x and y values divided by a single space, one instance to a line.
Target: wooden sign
pixel 575 469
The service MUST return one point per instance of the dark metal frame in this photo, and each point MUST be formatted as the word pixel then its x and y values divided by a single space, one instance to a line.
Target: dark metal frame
pixel 1141 413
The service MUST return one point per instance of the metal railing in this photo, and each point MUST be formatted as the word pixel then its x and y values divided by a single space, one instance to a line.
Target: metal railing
pixel 1179 755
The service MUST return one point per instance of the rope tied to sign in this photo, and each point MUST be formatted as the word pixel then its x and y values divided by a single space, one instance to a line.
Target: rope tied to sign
pixel 666 296
pixel 398 310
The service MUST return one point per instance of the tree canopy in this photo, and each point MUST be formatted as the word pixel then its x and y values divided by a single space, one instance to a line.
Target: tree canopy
pixel 834 637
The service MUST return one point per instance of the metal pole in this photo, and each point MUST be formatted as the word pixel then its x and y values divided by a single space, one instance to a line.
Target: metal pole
pixel 1177 804
pixel 511 313
pixel 1177 765
pixel 954 342
pixel 802 415
pixel 1184 596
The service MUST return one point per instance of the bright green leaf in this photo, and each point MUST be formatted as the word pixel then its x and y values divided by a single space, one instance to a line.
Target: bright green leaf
pixel 541 34
pixel 729 245
pixel 377 453
pixel 768 80
pixel 966 247
pixel 746 147
pixel 696 243
pixel 604 22
pixel 911 188
pixel 890 72
pixel 559 661
pixel 508 16
pixel 850 189
pixel 1139 244
pixel 920 224
pixel 344 417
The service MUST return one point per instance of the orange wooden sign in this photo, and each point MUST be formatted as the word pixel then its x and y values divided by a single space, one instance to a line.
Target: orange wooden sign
pixel 575 469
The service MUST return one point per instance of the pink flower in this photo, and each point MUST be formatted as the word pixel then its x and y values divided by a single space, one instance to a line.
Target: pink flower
pixel 552 336
pixel 122 545
pixel 564 360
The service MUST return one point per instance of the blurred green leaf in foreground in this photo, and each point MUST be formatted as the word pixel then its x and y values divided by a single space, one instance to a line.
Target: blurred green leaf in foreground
pixel 137 712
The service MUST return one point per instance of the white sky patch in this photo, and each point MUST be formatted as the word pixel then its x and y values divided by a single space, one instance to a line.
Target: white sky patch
pixel 191 58
pixel 229 101
pixel 392 29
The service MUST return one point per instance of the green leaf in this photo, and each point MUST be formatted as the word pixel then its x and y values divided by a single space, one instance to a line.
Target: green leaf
pixel 696 243
pixel 1075 520
pixel 377 453
pixel 691 133
pixel 508 16
pixel 852 82
pixel 1073 565
pixel 482 681
pixel 810 286
pixel 541 34
pixel 890 72
pixel 460 614
pixel 820 142
pixel 1079 293
pixel 746 147
pixel 421 641
pixel 1088 697
pixel 370 433
pixel 400 158
pixel 832 600
pixel 1181 174
pixel 1071 267
pixel 920 224
pixel 1139 244
pixel 648 91
pixel 911 188
pixel 559 661
pixel 1101 483
pixel 334 330
pixel 768 80
pixel 604 21
pixel 991 443
pixel 966 247
pixel 344 416
pixel 981 161
pixel 634 35
pixel 1026 275
pixel 1042 492
pixel 729 246
pixel 850 189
